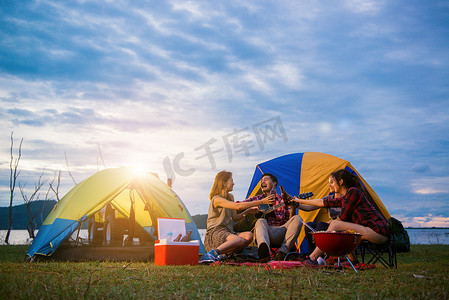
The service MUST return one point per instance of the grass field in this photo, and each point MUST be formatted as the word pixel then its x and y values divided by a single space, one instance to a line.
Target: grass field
pixel 421 274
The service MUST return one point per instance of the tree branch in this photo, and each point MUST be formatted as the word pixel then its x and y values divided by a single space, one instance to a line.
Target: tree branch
pixel 68 169
pixel 13 167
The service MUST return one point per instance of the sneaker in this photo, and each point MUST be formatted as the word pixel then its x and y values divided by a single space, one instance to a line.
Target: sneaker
pixel 310 262
pixel 280 256
pixel 221 257
pixel 263 251
pixel 209 257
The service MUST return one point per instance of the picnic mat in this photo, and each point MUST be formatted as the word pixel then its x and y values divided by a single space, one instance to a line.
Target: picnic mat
pixel 283 265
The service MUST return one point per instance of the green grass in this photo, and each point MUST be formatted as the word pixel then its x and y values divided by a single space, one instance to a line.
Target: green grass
pixel 421 274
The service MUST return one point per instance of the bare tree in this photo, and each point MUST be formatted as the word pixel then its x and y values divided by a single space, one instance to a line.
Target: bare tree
pixel 45 203
pixel 101 157
pixel 55 189
pixel 29 200
pixel 68 169
pixel 14 173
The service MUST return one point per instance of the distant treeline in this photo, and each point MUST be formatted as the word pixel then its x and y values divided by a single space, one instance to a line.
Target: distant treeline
pixel 39 209
pixel 200 221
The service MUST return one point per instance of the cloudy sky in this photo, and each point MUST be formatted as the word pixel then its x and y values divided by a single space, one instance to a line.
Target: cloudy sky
pixel 162 84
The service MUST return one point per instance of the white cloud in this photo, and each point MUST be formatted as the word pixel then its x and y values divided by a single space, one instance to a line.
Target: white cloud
pixel 155 22
pixel 425 221
pixel 417 55
pixel 193 8
pixel 287 74
pixel 433 185
pixel 364 6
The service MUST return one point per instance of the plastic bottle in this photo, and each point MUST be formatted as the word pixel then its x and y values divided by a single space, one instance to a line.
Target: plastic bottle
pixel 321 261
pixel 169 236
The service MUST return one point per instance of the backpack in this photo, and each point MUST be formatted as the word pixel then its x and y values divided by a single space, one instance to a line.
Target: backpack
pixel 399 234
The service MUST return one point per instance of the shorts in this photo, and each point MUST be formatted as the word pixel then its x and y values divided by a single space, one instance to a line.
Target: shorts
pixel 215 237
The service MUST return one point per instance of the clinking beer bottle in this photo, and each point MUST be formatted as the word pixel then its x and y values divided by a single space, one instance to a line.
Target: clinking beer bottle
pixel 287 198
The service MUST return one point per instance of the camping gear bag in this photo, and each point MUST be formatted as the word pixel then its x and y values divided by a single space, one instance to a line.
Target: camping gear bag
pixel 400 235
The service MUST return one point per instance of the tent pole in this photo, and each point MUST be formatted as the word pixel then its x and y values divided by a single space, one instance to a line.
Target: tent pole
pixel 78 233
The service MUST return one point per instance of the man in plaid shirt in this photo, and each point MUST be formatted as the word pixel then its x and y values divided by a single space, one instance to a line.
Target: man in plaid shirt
pixel 279 228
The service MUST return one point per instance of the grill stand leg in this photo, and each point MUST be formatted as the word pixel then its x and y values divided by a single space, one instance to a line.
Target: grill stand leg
pixel 347 258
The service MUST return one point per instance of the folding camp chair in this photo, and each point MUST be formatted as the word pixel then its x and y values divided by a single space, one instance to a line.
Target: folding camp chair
pixel 292 255
pixel 383 253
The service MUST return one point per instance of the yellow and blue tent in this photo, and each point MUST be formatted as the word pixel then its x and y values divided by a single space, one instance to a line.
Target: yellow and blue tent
pixel 308 172
pixel 118 186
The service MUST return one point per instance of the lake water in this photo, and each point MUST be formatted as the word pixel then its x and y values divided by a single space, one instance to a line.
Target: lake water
pixel 428 236
pixel 21 237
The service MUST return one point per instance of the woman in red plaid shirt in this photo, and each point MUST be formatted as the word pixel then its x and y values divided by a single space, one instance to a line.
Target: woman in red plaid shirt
pixel 357 213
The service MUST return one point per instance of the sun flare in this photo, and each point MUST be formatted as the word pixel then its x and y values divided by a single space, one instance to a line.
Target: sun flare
pixel 139 170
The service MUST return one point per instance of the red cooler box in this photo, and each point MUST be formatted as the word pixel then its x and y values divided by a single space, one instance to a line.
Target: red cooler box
pixel 167 252
pixel 176 253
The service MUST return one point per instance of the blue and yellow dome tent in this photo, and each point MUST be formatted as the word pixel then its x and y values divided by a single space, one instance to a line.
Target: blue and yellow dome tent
pixel 308 172
pixel 151 196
